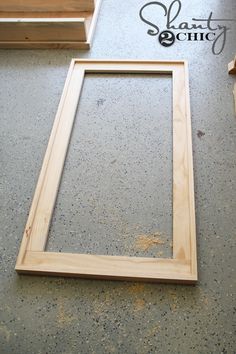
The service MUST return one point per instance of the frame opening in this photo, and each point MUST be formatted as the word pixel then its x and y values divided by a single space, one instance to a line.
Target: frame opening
pixel 115 195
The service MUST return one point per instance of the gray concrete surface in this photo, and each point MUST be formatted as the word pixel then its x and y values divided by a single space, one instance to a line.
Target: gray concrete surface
pixel 115 132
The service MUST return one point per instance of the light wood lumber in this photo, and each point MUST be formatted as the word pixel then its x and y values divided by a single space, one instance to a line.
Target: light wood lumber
pixel 46 5
pixel 42 29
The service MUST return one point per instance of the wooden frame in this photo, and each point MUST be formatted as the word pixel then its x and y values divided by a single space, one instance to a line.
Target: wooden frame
pixel 32 256
pixel 42 24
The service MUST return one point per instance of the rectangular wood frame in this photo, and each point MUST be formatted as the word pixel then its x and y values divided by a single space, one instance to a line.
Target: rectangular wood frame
pixel 41 24
pixel 182 268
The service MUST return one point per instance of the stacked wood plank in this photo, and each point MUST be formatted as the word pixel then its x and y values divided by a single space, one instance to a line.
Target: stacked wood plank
pixel 47 24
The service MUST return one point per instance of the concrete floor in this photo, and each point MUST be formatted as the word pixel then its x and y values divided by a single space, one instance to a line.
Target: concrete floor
pixel 112 137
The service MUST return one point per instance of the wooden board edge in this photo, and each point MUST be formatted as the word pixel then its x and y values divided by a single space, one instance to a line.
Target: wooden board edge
pixel 93 22
pixel 188 280
pixel 45 45
pixel 42 20
pixel 106 267
pixel 29 30
pixel 192 211
pixel 40 181
pixel 128 61
pixel 46 15
pixel 232 67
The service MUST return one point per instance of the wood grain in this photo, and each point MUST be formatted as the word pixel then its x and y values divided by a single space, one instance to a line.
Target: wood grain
pixel 181 230
pixel 106 267
pixel 192 217
pixel 42 29
pixel 46 6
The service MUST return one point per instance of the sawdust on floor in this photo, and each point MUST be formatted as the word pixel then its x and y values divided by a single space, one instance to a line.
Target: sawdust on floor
pixel 145 241
pixel 153 330
pixel 64 317
pixel 139 305
pixel 5 332
pixel 136 288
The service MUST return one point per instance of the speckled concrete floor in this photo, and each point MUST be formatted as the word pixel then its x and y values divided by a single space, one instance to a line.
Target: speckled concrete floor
pixel 57 315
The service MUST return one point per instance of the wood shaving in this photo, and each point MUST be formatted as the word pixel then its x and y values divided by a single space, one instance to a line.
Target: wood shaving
pixel 144 242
